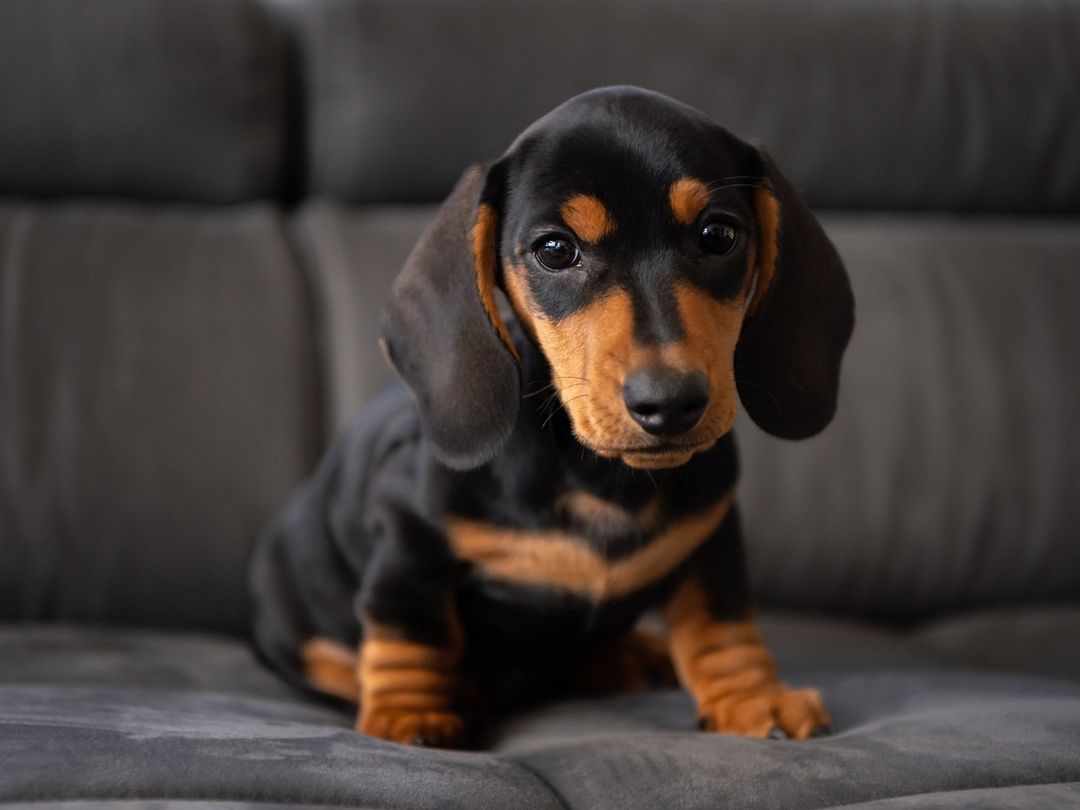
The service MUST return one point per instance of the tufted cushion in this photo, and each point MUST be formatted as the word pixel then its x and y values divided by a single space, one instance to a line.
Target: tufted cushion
pixel 157 403
pixel 162 99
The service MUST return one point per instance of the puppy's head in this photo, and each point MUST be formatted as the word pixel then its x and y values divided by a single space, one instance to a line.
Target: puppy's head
pixel 663 267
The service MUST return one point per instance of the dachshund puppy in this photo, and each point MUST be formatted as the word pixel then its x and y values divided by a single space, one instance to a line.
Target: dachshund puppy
pixel 563 462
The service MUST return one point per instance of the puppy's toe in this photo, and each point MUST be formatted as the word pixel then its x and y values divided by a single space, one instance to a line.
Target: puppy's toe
pixel 437 729
pixel 771 711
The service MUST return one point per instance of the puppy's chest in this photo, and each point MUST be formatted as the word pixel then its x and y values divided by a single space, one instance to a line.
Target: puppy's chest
pixel 590 549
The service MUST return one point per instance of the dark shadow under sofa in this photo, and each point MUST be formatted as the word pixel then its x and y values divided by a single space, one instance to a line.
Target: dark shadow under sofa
pixel 202 203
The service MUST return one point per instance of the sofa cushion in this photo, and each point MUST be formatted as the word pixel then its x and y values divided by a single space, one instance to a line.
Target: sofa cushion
pixel 353 256
pixel 948 478
pixel 1041 640
pixel 1029 797
pixel 162 99
pixel 918 106
pixel 158 393
pixel 192 718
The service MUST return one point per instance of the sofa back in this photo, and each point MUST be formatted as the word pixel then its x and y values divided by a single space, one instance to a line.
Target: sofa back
pixel 202 203
pixel 956 105
pixel 158 363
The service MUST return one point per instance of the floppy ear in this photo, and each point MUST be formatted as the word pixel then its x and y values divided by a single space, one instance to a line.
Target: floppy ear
pixel 799 320
pixel 442 332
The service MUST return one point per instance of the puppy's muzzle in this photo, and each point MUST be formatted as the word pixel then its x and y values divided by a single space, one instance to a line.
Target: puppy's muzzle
pixel 666 401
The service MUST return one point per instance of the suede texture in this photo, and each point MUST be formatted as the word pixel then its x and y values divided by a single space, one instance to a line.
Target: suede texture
pixel 155 408
pixel 152 99
pixel 194 718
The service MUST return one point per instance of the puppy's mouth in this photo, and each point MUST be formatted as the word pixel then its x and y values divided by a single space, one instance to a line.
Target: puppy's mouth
pixel 663 455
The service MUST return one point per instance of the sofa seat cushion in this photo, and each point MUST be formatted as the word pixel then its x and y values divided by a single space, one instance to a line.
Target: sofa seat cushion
pixel 107 714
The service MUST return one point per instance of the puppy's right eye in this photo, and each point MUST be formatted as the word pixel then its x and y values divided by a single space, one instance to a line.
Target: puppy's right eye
pixel 718 238
pixel 556 252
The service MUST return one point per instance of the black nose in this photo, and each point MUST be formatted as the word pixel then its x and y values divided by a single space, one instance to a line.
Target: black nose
pixel 666 401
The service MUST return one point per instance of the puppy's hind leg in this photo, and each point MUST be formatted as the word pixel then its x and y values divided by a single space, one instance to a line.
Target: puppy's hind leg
pixel 331 668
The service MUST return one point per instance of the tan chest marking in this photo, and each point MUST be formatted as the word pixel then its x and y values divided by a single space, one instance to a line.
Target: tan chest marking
pixel 606 517
pixel 559 560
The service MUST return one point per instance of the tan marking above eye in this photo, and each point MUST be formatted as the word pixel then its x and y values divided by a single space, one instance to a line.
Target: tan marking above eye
pixel 587 217
pixel 688 197
pixel 558 560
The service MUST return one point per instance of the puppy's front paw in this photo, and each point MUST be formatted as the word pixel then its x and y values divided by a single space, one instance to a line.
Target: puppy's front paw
pixel 440 729
pixel 768 710
pixel 409 693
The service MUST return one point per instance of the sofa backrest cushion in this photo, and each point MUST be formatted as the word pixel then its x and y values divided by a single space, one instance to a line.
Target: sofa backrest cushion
pixel 950 477
pixel 158 379
pixel 950 105
pixel 154 99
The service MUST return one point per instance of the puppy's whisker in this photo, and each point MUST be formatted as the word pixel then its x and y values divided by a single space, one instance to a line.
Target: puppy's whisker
pixel 538 391
pixel 562 405
pixel 552 396
pixel 555 378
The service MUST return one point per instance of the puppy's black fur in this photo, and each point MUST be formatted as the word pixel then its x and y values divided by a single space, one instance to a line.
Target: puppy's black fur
pixel 479 535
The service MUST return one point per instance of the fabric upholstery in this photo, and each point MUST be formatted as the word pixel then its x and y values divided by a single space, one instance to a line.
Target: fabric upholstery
pixel 156 405
pixel 191 718
pixel 161 99
pixel 1029 797
pixel 352 257
pixel 961 374
pixel 945 105
pixel 948 478
pixel 168 374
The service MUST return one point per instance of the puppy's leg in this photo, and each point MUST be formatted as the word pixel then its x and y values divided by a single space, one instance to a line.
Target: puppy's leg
pixel 409 690
pixel 719 655
pixel 331 668
pixel 408 663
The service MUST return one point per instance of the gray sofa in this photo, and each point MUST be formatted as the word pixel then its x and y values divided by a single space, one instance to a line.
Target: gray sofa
pixel 202 203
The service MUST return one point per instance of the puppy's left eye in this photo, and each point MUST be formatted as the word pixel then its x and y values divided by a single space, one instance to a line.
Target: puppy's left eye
pixel 718 238
pixel 555 252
